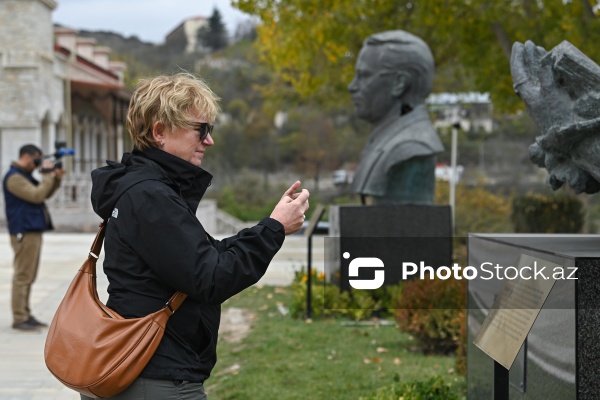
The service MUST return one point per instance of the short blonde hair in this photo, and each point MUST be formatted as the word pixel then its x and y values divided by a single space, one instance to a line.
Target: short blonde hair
pixel 171 100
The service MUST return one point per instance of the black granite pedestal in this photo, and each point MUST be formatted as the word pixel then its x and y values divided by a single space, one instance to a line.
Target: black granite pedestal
pixel 392 233
pixel 560 358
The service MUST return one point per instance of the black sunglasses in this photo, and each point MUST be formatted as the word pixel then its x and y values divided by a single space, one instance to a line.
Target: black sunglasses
pixel 203 128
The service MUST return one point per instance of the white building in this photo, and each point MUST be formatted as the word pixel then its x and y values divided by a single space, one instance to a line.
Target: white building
pixel 187 33
pixel 56 85
pixel 473 111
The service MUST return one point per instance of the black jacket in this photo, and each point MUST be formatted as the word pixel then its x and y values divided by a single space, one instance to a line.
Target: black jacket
pixel 155 246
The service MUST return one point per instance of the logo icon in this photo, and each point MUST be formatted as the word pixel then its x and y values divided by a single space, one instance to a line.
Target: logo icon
pixel 365 262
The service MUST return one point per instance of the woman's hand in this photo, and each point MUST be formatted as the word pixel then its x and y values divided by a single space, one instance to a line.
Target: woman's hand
pixel 291 208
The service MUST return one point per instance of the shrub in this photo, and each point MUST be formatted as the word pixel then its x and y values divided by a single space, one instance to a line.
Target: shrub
pixel 461 349
pixel 249 200
pixel 321 294
pixel 433 311
pixel 476 209
pixel 537 213
pixel 432 389
pixel 327 300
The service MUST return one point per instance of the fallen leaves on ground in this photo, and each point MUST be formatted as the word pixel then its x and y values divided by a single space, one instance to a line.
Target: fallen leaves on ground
pixel 375 360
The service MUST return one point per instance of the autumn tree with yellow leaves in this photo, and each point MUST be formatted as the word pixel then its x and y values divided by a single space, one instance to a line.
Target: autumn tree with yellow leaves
pixel 312 45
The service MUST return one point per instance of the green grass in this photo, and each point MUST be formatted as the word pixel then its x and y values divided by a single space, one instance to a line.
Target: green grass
pixel 283 358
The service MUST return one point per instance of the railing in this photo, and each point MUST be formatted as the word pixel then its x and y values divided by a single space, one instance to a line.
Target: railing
pixel 74 192
pixel 218 222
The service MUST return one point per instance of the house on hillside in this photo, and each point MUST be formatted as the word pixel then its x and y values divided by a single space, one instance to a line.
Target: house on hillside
pixel 184 37
pixel 56 85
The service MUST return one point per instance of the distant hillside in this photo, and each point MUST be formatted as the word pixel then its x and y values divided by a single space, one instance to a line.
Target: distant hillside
pixel 118 43
pixel 142 58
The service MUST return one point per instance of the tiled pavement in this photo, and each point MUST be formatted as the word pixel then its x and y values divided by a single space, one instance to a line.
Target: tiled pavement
pixel 23 374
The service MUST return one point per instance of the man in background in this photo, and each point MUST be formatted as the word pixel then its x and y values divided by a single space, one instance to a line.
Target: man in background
pixel 27 217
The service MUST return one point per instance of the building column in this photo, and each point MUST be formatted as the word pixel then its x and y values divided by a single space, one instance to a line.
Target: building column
pixel 77 145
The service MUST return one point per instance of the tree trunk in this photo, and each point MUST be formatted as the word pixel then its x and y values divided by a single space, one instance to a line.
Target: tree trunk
pixel 502 38
pixel 588 11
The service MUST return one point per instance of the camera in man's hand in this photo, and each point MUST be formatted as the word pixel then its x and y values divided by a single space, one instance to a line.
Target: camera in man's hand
pixel 48 166
pixel 53 161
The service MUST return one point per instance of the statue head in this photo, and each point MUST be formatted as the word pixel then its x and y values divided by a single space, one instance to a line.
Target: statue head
pixel 393 73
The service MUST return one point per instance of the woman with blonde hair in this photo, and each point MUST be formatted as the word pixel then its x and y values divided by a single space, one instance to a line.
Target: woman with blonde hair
pixel 155 245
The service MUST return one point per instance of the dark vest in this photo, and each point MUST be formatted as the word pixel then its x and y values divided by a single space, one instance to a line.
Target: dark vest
pixel 21 215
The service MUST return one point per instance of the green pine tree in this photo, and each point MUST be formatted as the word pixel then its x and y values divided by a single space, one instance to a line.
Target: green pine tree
pixel 214 36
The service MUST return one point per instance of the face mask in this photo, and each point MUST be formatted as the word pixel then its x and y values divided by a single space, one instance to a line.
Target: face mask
pixel 37 162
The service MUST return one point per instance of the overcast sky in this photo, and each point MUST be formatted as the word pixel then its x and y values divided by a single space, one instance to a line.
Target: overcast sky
pixel 149 20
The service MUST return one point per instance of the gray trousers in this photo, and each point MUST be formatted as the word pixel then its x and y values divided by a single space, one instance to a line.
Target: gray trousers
pixel 157 389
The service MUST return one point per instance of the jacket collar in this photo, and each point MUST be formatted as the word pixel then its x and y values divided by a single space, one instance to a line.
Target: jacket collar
pixel 185 174
pixel 20 169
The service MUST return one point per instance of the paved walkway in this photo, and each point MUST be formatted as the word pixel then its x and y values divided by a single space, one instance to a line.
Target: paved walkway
pixel 23 373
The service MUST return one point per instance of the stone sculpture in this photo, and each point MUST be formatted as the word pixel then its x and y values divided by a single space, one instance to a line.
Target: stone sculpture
pixel 561 90
pixel 393 77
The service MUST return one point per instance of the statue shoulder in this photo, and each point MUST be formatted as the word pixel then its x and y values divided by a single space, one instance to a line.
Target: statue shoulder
pixel 417 140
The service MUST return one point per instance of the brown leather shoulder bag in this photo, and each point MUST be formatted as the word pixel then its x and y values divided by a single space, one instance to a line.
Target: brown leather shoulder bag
pixel 92 349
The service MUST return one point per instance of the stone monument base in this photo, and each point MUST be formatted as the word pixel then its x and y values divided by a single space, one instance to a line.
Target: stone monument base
pixel 559 358
pixel 393 233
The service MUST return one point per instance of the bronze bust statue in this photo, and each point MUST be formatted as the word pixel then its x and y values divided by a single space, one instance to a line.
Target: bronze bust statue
pixel 393 77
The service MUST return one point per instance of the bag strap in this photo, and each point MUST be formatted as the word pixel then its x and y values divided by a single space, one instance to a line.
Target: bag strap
pixel 97 245
pixel 175 300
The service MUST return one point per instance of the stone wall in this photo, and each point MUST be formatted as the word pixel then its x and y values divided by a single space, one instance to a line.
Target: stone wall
pixel 32 101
